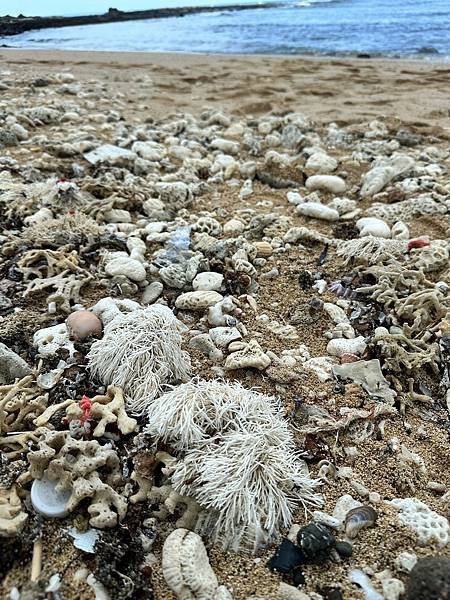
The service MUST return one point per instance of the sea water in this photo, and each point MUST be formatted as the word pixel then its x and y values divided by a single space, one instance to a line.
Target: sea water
pixel 417 28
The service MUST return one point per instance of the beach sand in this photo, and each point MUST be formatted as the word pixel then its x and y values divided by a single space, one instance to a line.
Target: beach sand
pixel 405 95
pixel 326 89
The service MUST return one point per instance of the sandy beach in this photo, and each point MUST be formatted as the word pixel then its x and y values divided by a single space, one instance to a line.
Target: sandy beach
pixel 344 91
pixel 281 239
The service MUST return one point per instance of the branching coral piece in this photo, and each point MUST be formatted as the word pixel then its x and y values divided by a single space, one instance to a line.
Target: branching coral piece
pixel 20 404
pixel 165 496
pixel 402 353
pixel 12 446
pixel 56 269
pixel 140 352
pixel 240 461
pixel 320 424
pixel 392 283
pixel 85 468
pixel 423 308
pixel 107 409
pixel 12 518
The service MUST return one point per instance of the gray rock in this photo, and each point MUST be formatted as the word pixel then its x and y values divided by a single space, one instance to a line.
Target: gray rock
pixel 11 366
pixel 152 292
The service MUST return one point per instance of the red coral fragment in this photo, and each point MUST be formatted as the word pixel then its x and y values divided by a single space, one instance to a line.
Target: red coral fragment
pixel 86 406
pixel 417 244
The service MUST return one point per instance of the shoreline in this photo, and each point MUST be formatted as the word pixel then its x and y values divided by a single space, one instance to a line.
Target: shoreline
pixel 416 59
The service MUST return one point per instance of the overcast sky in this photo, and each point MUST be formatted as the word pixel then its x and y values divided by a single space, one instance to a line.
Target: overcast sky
pixel 83 7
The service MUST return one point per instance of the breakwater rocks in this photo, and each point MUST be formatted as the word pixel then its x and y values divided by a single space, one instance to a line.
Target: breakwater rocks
pixel 15 25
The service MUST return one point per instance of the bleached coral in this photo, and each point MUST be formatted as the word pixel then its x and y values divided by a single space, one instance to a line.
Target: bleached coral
pixel 43 269
pixel 86 469
pixel 430 527
pixel 140 352
pixel 186 568
pixel 20 403
pixel 240 462
pixel 12 517
pixel 371 250
pixel 107 409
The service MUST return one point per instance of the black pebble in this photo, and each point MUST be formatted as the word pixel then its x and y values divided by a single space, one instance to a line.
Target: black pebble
pixel 344 549
pixel 286 558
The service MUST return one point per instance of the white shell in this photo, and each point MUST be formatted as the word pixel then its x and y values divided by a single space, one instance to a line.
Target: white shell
pixel 328 183
pixel 84 540
pixel 316 210
pixel 373 226
pixel 198 300
pixel 47 501
pixel 400 231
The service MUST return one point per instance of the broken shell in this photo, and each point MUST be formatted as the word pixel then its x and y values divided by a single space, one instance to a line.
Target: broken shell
pixel 83 324
pixel 47 501
pixel 359 518
pixel 263 249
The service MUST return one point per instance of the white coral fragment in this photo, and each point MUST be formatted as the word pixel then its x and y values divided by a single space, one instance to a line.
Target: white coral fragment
pixel 239 464
pixel 430 526
pixel 186 567
pixel 140 352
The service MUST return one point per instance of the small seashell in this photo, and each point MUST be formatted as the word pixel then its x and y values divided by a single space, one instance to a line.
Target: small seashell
pixel 83 324
pixel 263 249
pixel 359 518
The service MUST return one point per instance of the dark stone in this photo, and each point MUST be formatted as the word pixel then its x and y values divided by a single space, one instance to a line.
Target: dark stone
pixel 297 577
pixel 316 542
pixel 430 579
pixel 344 549
pixel 329 593
pixel 427 50
pixel 286 558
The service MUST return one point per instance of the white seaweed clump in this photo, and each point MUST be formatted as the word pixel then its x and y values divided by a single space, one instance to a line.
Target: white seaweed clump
pixel 140 352
pixel 240 463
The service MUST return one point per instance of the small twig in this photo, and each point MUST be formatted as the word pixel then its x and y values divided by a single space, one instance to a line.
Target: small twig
pixel 36 561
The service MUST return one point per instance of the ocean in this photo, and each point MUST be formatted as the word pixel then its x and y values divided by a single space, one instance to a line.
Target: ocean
pixel 401 28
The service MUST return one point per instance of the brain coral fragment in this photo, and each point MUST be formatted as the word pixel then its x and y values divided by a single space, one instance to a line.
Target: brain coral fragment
pixel 87 469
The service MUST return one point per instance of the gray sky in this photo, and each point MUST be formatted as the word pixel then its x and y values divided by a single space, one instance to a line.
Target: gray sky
pixel 79 7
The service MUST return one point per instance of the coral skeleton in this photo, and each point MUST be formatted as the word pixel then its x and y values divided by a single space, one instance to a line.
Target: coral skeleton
pixel 86 469
pixel 371 250
pixel 240 463
pixel 12 517
pixel 140 352
pixel 20 404
pixel 107 409
pixel 43 269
